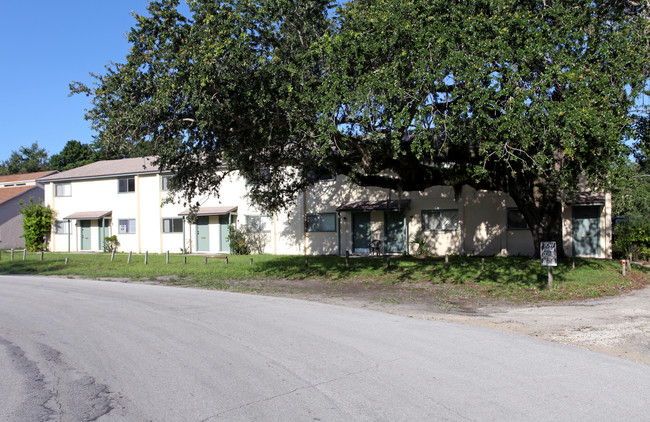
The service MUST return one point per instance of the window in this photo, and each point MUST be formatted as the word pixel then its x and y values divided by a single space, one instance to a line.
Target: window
pixel 323 222
pixel 258 223
pixel 61 227
pixel 63 189
pixel 516 221
pixel 320 175
pixel 9 185
pixel 21 184
pixel 126 185
pixel 172 225
pixel 440 220
pixel 126 226
pixel 165 182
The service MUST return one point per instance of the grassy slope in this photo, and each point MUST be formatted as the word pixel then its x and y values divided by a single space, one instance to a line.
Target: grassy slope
pixel 512 279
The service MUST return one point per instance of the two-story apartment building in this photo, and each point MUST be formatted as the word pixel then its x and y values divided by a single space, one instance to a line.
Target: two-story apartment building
pixel 14 190
pixel 124 197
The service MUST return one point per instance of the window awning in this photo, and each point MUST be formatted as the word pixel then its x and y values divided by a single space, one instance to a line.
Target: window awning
pixel 586 198
pixel 88 215
pixel 385 205
pixel 224 210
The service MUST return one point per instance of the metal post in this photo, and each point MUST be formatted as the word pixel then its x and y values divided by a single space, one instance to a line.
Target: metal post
pixel 167 258
pixel 42 255
pixel 185 260
pixel 446 262
pixel 388 262
pixel 66 260
pixel 482 264
pixel 112 255
pixel 12 254
pixel 226 260
pixel 550 277
pixel 251 262
pixel 146 257
pixel 347 258
pixel 24 254
pixel 623 270
pixel 205 259
pixel 129 260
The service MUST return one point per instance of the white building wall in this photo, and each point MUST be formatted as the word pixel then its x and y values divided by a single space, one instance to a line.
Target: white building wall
pixel 482 218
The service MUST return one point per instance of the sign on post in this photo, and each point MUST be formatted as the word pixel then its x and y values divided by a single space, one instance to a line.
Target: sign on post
pixel 548 253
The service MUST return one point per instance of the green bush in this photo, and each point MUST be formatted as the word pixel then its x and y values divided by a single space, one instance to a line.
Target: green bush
pixel 111 243
pixel 37 224
pixel 632 237
pixel 238 242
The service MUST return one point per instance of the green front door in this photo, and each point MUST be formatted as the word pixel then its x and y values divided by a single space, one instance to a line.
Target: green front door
pixel 84 233
pixel 223 233
pixel 586 231
pixel 202 234
pixel 395 235
pixel 361 232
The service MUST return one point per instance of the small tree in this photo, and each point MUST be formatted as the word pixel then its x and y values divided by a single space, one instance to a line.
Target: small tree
pixel 238 242
pixel 37 224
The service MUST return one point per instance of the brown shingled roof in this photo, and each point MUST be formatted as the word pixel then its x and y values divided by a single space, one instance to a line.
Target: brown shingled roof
pixel 24 177
pixel 107 168
pixel 9 193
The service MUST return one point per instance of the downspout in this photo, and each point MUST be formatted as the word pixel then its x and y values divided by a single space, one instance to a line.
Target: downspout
pixel 338 231
pixel 69 234
pixel 183 249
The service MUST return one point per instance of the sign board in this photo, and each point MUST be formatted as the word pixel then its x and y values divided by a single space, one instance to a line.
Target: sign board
pixel 548 253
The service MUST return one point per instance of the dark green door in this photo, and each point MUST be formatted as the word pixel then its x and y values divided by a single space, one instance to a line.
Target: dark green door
pixel 84 233
pixel 202 234
pixel 395 235
pixel 361 232
pixel 223 233
pixel 586 231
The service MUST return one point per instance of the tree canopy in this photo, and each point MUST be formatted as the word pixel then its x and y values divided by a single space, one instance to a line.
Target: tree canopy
pixel 74 154
pixel 26 160
pixel 530 97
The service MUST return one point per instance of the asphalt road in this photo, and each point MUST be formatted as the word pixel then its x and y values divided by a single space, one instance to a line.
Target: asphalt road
pixel 82 350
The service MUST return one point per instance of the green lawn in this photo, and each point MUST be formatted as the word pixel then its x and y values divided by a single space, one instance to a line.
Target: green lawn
pixel 512 279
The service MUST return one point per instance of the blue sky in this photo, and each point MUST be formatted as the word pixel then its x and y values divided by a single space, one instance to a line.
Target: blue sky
pixel 45 46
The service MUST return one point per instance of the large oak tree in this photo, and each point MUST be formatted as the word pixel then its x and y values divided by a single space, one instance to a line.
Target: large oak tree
pixel 525 97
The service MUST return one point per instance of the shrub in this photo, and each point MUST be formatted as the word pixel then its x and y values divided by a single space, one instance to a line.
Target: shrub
pixel 37 224
pixel 632 237
pixel 422 249
pixel 238 242
pixel 111 243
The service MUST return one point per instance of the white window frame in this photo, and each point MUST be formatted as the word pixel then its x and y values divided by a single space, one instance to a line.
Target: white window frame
pixel 126 226
pixel 61 227
pixel 443 220
pixel 164 182
pixel 169 223
pixel 62 189
pixel 128 181
pixel 314 222
pixel 265 222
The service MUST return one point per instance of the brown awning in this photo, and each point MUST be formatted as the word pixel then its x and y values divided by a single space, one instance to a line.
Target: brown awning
pixel 587 198
pixel 385 205
pixel 225 210
pixel 88 215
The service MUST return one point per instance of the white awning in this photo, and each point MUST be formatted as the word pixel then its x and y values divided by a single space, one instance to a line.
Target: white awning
pixel 88 215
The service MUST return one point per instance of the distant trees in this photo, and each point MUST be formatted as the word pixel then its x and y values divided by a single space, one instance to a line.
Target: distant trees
pixel 74 154
pixel 26 160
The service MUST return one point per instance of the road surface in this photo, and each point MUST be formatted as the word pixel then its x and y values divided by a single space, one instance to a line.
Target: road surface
pixel 83 350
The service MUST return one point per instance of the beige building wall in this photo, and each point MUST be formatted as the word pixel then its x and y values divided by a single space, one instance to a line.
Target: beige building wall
pixel 481 215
